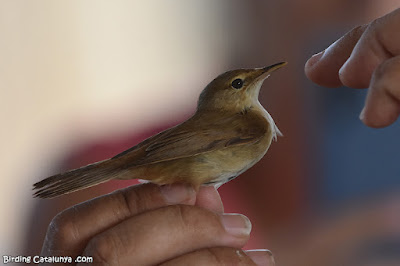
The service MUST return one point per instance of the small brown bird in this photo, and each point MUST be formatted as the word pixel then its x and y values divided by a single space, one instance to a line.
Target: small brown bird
pixel 228 134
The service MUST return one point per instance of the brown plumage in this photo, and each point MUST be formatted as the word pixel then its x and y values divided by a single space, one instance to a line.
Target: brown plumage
pixel 228 134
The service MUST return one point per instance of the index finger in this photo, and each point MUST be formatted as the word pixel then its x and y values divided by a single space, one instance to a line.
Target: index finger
pixel 352 59
pixel 323 68
pixel 70 231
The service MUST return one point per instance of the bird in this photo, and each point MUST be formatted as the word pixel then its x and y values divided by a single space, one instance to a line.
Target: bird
pixel 229 132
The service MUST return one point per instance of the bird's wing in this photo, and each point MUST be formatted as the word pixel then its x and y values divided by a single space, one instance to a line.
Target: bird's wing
pixel 197 136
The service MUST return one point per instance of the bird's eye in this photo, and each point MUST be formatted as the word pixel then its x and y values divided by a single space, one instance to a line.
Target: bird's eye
pixel 237 83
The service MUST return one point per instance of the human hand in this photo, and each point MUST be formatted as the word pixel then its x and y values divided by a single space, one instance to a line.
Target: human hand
pixel 366 57
pixel 143 225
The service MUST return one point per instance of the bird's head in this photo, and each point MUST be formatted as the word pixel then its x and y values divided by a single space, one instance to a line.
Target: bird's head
pixel 236 89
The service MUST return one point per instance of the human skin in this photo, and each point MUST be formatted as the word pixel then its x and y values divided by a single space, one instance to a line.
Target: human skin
pixel 151 225
pixel 366 57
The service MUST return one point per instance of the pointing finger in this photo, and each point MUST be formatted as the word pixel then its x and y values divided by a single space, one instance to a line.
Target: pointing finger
pixel 352 59
pixel 323 68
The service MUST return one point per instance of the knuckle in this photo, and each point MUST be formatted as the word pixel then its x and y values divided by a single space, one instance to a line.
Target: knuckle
pixel 197 219
pixel 380 73
pixel 374 24
pixel 214 257
pixel 388 68
pixel 185 215
pixel 63 227
pixel 133 200
pixel 381 38
pixel 127 205
pixel 385 78
pixel 103 249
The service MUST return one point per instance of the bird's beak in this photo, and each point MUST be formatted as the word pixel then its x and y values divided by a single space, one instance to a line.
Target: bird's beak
pixel 273 67
pixel 263 73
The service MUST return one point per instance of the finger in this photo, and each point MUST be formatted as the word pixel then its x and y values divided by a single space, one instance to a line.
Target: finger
pixel 379 42
pixel 162 234
pixel 382 106
pixel 70 231
pixel 209 198
pixel 222 256
pixel 323 68
pixel 261 257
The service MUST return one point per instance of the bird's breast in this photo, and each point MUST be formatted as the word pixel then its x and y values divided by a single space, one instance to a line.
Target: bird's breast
pixel 222 165
pixel 275 132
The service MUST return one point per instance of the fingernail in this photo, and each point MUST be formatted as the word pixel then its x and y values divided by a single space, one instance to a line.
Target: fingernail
pixel 236 224
pixel 362 114
pixel 178 193
pixel 317 56
pixel 314 59
pixel 262 257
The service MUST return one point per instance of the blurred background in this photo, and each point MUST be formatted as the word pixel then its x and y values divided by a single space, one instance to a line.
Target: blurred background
pixel 81 81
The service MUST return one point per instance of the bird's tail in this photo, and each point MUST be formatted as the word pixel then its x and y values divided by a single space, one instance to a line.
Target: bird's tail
pixel 76 179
